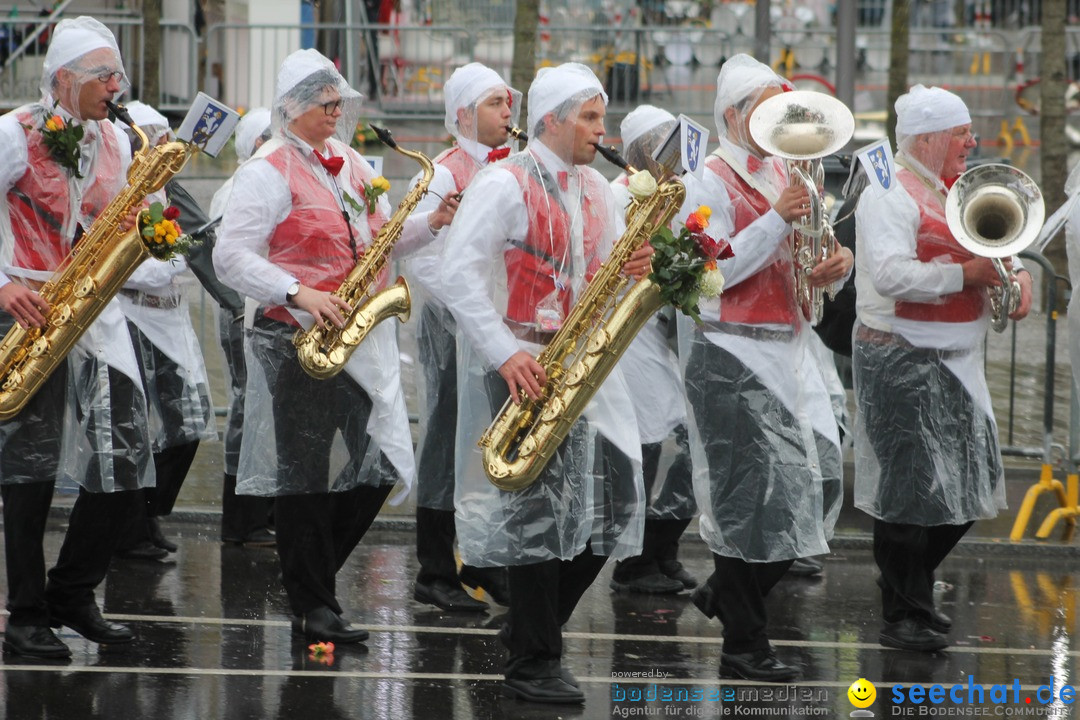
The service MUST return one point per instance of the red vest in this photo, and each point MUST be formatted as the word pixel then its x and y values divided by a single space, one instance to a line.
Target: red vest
pixel 312 243
pixel 935 243
pixel 39 202
pixel 460 164
pixel 767 296
pixel 529 269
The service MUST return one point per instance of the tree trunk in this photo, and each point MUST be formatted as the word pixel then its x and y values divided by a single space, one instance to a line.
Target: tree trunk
pixel 1054 149
pixel 526 31
pixel 899 41
pixel 150 82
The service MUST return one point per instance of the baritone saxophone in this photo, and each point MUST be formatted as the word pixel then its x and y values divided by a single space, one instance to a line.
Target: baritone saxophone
pixel 522 438
pixel 86 280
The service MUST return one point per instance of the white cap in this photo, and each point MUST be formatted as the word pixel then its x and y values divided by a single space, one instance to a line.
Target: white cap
pixel 466 86
pixel 641 120
pixel 74 38
pixel 926 110
pixel 739 78
pixel 293 97
pixel 251 126
pixel 555 85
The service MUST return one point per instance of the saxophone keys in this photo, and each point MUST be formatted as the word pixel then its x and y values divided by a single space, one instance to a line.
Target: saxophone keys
pixel 60 315
pixel 13 381
pixel 350 335
pixel 599 340
pixel 577 374
pixel 39 348
pixel 335 357
pixel 553 410
pixel 527 447
pixel 85 287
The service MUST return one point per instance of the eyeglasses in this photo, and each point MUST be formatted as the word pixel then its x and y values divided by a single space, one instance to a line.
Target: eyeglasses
pixel 105 74
pixel 333 106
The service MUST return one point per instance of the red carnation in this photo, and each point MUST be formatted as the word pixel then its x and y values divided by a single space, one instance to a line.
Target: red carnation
pixel 170 213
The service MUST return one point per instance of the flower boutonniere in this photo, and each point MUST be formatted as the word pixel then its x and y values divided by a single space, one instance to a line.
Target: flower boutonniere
pixel 161 232
pixel 684 265
pixel 62 140
pixel 372 192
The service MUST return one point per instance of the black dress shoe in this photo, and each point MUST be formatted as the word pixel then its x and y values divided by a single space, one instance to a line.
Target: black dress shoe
pixel 257 538
pixel 443 595
pixel 492 580
pixel 939 622
pixel 910 634
pixel 153 529
pixel 704 599
pixel 676 571
pixel 144 550
pixel 36 641
pixel 568 677
pixel 760 665
pixel 543 690
pixel 805 567
pixel 87 621
pixel 324 625
pixel 655 584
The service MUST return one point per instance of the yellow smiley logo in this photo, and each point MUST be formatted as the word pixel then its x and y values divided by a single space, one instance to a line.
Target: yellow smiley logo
pixel 862 693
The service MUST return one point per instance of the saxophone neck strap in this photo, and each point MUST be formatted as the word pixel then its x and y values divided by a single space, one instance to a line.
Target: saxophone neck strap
pixel 740 170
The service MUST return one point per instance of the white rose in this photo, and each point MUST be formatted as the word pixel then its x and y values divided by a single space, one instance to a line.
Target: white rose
pixel 642 184
pixel 711 283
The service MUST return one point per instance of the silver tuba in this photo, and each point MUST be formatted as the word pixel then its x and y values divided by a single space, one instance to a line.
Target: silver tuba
pixel 995 211
pixel 802 127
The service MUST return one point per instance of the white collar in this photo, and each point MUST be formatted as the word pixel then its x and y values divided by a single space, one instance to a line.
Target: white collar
pixel 476 150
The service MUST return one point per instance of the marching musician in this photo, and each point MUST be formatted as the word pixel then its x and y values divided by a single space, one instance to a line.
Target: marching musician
pixel 927 459
pixel 765 446
pixel 297 221
pixel 480 107
pixel 174 373
pixel 652 368
pixel 244 518
pixel 60 168
pixel 532 229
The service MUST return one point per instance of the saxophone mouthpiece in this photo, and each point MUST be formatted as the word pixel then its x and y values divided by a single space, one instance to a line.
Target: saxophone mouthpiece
pixel 121 112
pixel 612 156
pixel 517 133
pixel 384 135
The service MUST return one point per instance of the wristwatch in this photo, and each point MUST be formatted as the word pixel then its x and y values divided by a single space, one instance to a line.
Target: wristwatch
pixel 293 289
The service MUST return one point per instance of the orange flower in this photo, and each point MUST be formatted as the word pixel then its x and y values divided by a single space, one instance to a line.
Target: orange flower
pixel 710 265
pixel 696 223
pixel 55 123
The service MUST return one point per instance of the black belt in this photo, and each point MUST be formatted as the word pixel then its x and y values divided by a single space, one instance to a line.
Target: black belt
pixel 753 332
pixel 166 302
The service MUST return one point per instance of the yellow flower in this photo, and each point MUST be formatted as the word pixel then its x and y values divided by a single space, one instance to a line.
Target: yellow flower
pixel 381 183
pixel 171 239
pixel 50 125
pixel 704 211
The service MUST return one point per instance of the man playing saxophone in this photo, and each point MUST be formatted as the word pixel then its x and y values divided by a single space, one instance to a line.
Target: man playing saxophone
pixel 479 109
pixel 87 424
pixel 301 213
pixel 927 459
pixel 532 229
pixel 766 451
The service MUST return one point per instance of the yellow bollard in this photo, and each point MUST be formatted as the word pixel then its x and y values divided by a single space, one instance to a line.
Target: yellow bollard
pixel 1046 483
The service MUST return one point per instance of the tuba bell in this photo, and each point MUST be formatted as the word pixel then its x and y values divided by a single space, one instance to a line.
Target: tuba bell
pixel 802 127
pixel 995 211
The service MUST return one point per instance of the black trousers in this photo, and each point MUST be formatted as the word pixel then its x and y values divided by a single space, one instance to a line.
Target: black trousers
pixel 740 589
pixel 316 533
pixel 907 556
pixel 542 598
pixel 95 529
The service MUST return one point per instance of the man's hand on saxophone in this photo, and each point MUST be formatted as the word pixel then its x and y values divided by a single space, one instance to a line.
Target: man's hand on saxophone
pixel 322 305
pixel 640 263
pixel 26 306
pixel 442 215
pixel 522 371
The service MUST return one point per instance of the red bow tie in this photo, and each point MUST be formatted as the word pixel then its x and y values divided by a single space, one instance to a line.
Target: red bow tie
pixel 498 154
pixel 753 163
pixel 332 164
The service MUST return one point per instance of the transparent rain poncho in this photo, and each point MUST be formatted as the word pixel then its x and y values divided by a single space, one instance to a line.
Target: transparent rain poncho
pixel 926 447
pixel 287 218
pixel 529 233
pixel 88 424
pixel 650 364
pixel 303 82
pixel 255 124
pixel 469 87
pixel 764 440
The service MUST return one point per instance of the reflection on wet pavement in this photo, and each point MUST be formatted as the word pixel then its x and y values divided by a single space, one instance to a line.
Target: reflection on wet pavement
pixel 214 642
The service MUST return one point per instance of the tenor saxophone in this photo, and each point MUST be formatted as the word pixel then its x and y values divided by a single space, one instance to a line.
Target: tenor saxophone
pixel 86 280
pixel 522 438
pixel 324 352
